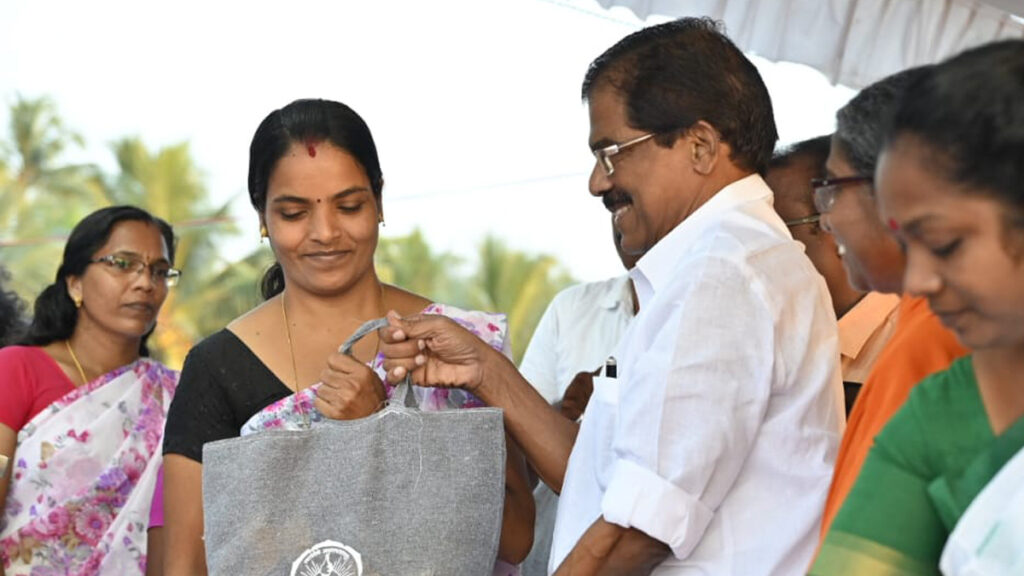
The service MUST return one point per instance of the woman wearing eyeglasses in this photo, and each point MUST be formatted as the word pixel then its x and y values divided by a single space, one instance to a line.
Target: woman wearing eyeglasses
pixel 83 407
pixel 950 187
pixel 874 260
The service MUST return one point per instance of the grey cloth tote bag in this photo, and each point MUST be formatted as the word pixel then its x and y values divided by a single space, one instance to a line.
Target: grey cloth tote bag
pixel 402 492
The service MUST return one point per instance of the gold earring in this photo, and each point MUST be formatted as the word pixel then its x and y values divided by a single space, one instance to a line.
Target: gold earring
pixel 77 300
pixel 263 233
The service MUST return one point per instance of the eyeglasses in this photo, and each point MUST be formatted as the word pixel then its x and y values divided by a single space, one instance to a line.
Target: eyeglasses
pixel 826 190
pixel 604 155
pixel 123 265
pixel 812 219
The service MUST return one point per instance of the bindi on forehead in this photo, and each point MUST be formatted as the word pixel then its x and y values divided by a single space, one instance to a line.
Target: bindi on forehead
pixel 311 148
pixel 893 225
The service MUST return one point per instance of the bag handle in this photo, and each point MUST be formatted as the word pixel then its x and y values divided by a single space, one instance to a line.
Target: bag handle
pixel 404 390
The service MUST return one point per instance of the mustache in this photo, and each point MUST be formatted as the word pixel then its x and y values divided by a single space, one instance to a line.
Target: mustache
pixel 615 197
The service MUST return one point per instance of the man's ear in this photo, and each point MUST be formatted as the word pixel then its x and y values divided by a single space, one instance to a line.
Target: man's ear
pixel 704 146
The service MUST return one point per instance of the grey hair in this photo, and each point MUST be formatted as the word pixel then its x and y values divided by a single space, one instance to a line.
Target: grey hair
pixel 861 124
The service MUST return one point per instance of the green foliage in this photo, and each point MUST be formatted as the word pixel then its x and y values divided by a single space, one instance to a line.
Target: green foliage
pixel 518 284
pixel 42 197
pixel 409 262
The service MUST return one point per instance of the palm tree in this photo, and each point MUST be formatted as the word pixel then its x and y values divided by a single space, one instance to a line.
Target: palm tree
pixel 410 263
pixel 520 285
pixel 212 291
pixel 41 196
pixel 34 167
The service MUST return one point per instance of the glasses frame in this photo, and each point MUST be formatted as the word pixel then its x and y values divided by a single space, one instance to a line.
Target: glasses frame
pixel 604 155
pixel 826 190
pixel 812 219
pixel 170 281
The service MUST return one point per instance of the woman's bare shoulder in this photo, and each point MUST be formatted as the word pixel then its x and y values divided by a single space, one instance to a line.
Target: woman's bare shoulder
pixel 403 301
pixel 256 322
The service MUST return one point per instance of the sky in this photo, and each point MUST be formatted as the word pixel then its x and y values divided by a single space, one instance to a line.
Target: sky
pixel 474 104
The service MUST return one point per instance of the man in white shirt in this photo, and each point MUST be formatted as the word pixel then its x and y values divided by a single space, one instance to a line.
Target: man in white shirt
pixel 866 319
pixel 574 338
pixel 710 449
pixel 578 330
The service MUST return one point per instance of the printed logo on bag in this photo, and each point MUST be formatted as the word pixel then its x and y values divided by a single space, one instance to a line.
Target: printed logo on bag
pixel 328 558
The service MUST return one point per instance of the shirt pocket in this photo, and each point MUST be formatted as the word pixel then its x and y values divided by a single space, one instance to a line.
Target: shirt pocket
pixel 606 391
pixel 601 417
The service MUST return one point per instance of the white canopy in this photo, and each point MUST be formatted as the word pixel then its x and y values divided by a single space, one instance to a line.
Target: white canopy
pixel 853 42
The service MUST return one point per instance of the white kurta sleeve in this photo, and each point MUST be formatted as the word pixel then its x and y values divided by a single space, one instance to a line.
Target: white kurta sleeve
pixel 540 361
pixel 692 394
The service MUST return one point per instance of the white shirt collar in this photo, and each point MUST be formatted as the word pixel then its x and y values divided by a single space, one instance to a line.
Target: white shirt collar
pixel 619 294
pixel 657 266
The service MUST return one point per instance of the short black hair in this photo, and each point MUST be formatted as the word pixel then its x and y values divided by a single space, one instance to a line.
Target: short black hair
pixel 812 153
pixel 861 123
pixel 675 74
pixel 813 150
pixel 968 112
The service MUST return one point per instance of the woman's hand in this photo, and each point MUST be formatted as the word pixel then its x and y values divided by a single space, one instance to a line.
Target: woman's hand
pixel 349 389
pixel 435 350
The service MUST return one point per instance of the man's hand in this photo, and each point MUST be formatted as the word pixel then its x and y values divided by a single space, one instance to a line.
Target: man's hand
pixel 577 395
pixel 435 350
pixel 349 389
pixel 438 352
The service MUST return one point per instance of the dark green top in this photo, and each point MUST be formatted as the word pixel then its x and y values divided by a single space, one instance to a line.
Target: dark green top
pixel 927 465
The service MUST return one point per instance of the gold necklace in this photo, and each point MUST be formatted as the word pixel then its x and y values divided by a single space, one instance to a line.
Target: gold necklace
pixel 67 343
pixel 291 348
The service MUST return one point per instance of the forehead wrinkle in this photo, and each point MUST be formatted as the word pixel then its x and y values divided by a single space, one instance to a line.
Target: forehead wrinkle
pixel 131 254
pixel 608 116
pixel 125 236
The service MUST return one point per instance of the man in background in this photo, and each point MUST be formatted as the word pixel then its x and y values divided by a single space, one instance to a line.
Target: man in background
pixel 874 260
pixel 707 447
pixel 574 338
pixel 866 318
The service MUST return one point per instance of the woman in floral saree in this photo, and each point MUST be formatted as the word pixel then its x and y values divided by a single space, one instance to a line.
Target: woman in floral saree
pixel 83 411
pixel 951 186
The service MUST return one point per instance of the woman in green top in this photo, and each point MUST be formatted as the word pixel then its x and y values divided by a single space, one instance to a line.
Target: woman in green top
pixel 951 186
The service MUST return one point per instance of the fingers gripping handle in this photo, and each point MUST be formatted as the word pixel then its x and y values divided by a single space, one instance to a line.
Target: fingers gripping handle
pixel 363 330
pixel 403 390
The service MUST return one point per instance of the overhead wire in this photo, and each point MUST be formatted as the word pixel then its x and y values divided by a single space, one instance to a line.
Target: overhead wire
pixel 205 222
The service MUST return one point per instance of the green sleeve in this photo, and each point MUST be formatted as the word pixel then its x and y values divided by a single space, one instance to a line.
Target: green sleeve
pixel 887 523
